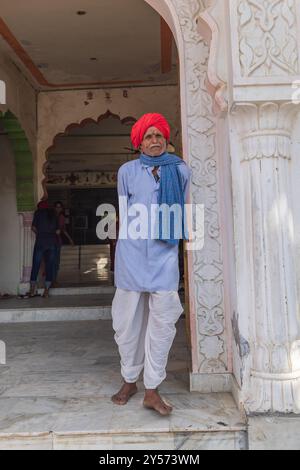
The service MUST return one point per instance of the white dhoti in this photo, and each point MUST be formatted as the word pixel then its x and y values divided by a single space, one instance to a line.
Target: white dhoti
pixel 144 325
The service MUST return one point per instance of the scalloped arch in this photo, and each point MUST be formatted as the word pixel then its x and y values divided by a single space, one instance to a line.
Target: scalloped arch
pixel 74 125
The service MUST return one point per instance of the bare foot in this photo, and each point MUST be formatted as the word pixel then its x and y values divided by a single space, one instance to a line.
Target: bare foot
pixel 124 394
pixel 46 294
pixel 154 401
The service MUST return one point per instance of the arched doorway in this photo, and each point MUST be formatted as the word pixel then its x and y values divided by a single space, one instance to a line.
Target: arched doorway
pixel 210 289
pixel 209 280
pixel 17 203
pixel 81 173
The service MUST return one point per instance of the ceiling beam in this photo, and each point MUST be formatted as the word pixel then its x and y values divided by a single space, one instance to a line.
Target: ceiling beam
pixel 166 46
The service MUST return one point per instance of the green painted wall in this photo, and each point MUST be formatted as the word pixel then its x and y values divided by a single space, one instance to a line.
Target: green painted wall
pixel 23 160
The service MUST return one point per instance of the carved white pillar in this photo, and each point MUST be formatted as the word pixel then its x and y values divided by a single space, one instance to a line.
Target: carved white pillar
pixel 197 36
pixel 265 255
pixel 27 243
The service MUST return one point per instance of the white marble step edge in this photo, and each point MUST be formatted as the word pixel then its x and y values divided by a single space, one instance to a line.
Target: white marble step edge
pixel 81 290
pixel 181 439
pixel 55 314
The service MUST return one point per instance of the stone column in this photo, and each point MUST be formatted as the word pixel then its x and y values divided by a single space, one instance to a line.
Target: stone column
pixel 263 64
pixel 27 243
pixel 266 274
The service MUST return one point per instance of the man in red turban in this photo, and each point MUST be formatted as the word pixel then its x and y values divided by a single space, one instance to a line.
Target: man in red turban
pixel 146 305
pixel 144 123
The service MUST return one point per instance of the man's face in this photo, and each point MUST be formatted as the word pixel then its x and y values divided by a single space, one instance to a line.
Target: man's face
pixel 154 144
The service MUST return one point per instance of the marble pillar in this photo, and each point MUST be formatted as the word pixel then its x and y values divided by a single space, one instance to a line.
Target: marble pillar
pixel 266 264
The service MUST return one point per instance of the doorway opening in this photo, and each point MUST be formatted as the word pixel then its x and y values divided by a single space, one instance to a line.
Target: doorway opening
pixel 81 174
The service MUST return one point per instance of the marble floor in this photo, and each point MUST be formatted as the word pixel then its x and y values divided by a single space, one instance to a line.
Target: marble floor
pixel 85 265
pixel 56 386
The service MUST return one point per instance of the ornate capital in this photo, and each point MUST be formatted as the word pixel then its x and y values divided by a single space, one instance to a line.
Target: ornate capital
pixel 265 129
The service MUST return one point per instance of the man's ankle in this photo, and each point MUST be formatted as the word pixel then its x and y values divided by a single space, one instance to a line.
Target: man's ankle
pixel 151 391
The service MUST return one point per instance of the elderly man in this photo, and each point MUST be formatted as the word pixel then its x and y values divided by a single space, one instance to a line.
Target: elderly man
pixel 146 304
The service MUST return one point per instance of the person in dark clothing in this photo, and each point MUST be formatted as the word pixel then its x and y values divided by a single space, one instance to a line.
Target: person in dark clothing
pixel 60 214
pixel 46 227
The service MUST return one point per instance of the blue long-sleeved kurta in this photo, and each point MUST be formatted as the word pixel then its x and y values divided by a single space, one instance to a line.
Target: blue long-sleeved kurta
pixel 145 265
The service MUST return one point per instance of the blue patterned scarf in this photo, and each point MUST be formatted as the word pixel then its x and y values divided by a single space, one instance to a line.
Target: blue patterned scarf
pixel 171 192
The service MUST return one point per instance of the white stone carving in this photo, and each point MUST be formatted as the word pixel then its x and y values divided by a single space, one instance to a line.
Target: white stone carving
pixel 201 121
pixel 268 38
pixel 266 273
pixel 95 179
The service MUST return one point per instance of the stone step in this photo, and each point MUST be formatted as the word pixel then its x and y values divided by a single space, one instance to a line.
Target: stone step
pixel 62 306
pixel 85 290
pixel 87 260
pixel 56 308
pixel 85 250
pixel 55 314
pixel 74 254
pixel 87 264
pixel 178 439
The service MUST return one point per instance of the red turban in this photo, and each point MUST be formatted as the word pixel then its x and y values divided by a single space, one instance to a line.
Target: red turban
pixel 142 125
pixel 43 204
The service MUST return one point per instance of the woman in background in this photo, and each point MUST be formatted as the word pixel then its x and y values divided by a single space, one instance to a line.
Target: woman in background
pixel 61 218
pixel 46 228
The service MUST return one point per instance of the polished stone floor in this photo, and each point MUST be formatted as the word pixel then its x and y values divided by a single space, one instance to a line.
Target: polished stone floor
pixel 56 386
pixel 85 265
